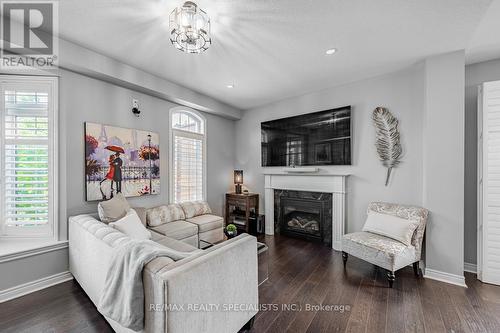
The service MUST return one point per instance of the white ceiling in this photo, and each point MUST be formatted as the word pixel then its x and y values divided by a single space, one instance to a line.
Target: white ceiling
pixel 485 42
pixel 274 49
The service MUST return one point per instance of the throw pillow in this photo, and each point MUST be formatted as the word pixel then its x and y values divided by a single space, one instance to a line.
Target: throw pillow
pixel 132 226
pixel 113 209
pixel 164 214
pixel 195 208
pixel 391 226
pixel 141 212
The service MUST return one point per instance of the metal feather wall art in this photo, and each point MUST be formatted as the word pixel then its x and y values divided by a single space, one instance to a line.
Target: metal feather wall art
pixel 387 141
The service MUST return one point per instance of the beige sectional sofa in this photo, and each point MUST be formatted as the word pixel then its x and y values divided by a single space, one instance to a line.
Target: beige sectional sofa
pixel 188 222
pixel 211 276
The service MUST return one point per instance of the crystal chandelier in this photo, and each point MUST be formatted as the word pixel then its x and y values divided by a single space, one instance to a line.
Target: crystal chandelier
pixel 190 28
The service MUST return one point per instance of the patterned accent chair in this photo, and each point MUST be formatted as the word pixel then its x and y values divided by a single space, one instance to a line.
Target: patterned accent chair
pixel 383 251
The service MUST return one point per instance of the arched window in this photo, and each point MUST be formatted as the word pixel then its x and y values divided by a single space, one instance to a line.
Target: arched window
pixel 187 162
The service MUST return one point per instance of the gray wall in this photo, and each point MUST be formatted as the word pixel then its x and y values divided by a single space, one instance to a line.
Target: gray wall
pixel 86 99
pixel 443 162
pixel 428 101
pixel 28 269
pixel 81 99
pixel 474 75
pixel 401 92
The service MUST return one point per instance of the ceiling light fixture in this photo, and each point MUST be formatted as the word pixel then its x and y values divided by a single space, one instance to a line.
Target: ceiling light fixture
pixel 230 86
pixel 331 51
pixel 190 28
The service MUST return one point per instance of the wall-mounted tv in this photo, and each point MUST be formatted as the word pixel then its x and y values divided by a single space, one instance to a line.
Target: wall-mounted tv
pixel 319 138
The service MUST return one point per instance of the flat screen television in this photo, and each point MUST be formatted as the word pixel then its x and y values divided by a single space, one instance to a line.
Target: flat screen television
pixel 319 138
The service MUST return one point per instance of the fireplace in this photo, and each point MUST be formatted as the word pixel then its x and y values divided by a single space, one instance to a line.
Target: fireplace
pixel 303 214
pixel 318 183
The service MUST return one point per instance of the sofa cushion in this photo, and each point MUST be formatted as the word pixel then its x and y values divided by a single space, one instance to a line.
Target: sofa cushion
pixel 113 209
pixel 131 226
pixel 177 229
pixel 195 208
pixel 213 236
pixel 164 214
pixel 207 222
pixel 176 245
pixel 193 240
pixel 156 236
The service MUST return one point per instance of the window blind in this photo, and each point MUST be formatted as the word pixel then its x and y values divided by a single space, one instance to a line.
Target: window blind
pixel 188 168
pixel 26 158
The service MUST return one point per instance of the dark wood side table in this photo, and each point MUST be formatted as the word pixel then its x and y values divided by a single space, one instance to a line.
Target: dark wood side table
pixel 242 210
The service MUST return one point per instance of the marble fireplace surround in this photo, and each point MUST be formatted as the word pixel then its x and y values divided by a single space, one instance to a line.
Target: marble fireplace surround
pixel 313 182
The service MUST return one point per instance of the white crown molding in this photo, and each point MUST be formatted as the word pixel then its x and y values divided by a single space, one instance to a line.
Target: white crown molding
pixel 433 274
pixel 471 268
pixel 29 287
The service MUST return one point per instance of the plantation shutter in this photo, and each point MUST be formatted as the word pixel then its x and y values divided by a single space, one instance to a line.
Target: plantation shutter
pixel 188 142
pixel 27 148
pixel 489 183
pixel 188 169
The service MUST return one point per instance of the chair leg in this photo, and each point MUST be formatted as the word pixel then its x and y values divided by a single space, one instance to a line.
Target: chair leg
pixel 416 269
pixel 344 257
pixel 391 278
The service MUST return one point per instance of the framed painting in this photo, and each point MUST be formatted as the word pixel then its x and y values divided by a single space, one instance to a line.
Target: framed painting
pixel 120 160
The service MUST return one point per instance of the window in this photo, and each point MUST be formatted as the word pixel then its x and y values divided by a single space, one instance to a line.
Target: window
pixel 294 152
pixel 28 155
pixel 187 169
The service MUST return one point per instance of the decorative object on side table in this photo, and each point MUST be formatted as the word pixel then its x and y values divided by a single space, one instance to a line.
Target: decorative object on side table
pixel 231 231
pixel 238 180
pixel 388 139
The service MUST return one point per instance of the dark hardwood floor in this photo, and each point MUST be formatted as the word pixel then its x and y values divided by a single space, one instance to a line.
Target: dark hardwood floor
pixel 301 273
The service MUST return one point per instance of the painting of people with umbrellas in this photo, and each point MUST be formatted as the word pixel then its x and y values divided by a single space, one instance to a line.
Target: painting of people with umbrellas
pixel 120 160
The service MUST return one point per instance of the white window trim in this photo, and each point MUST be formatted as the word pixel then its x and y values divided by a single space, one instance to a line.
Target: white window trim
pixel 172 132
pixel 53 143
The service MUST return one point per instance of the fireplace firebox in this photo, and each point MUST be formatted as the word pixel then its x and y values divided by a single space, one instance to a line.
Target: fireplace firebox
pixel 303 214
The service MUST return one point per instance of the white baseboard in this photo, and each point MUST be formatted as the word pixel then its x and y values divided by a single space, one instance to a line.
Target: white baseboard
pixel 471 268
pixel 29 287
pixel 432 274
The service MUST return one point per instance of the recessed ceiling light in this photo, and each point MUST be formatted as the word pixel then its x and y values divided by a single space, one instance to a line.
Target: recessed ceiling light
pixel 230 86
pixel 331 51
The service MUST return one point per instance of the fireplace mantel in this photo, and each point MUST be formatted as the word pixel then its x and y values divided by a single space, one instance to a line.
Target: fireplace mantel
pixel 317 182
